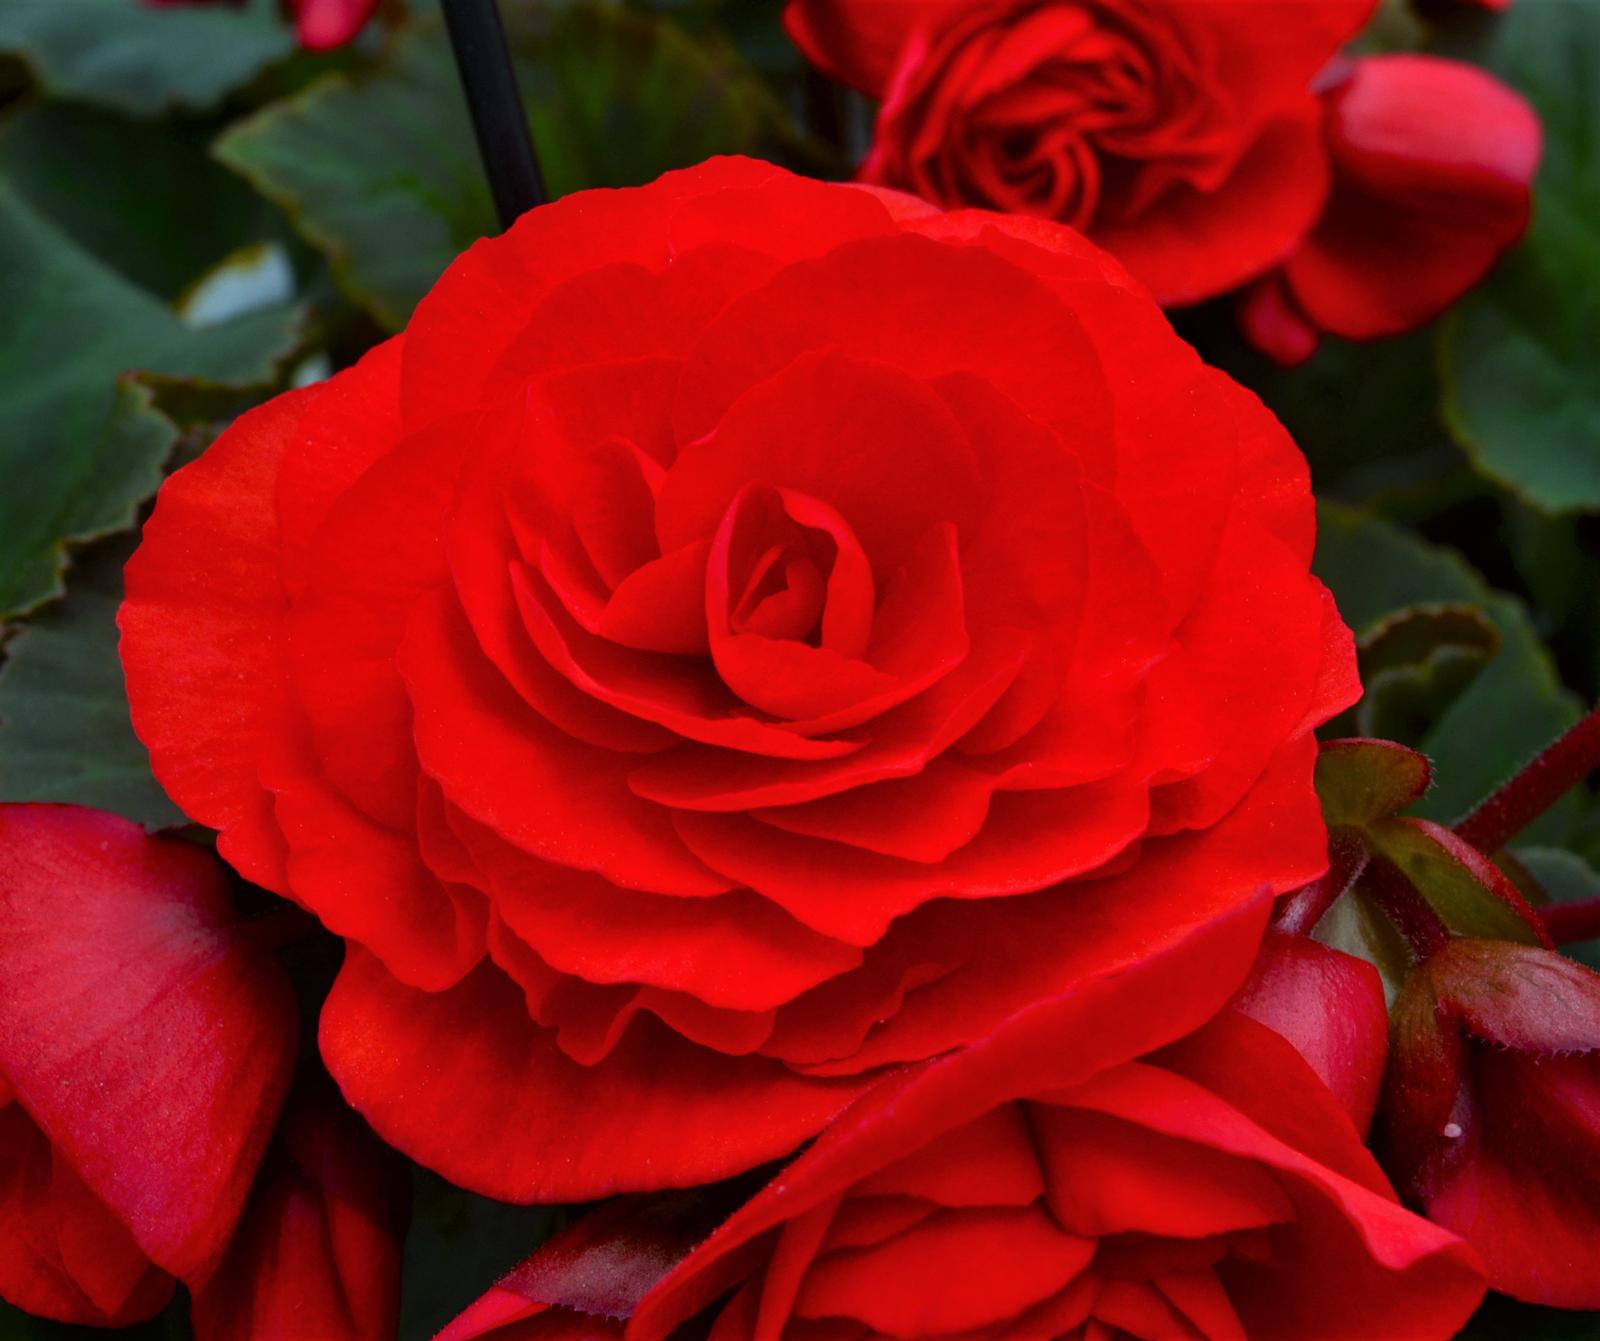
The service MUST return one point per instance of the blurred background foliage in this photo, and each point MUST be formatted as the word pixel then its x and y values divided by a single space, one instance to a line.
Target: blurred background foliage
pixel 195 215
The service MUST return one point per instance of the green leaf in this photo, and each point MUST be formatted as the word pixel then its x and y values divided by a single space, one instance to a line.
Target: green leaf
pixel 1365 414
pixel 1472 896
pixel 457 1247
pixel 1512 709
pixel 1356 926
pixel 79 449
pixel 1417 661
pixel 143 58
pixel 1359 781
pixel 1518 354
pixel 1560 877
pixel 1503 1319
pixel 172 1325
pixel 382 173
pixel 145 197
pixel 64 728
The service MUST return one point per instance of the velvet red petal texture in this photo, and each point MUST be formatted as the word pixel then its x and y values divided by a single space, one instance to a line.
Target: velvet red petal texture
pixel 149 1042
pixel 317 1251
pixel 1331 1006
pixel 1433 163
pixel 1491 1116
pixel 1184 138
pixel 67 1256
pixel 597 1270
pixel 1204 1186
pixel 561 1131
pixel 699 664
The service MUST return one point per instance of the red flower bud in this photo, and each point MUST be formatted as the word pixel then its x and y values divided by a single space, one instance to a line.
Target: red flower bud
pixel 1491 1112
pixel 1330 1005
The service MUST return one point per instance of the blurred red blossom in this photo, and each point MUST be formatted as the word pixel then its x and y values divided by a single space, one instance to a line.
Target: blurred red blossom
pixel 1433 164
pixel 1207 146
pixel 1330 1005
pixel 320 24
pixel 1184 138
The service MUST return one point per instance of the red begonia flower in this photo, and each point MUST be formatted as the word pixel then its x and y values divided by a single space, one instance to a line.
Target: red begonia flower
pixel 1433 162
pixel 1181 137
pixel 1104 1164
pixel 1331 1006
pixel 145 1047
pixel 1491 1114
pixel 317 1251
pixel 746 633
pixel 1079 1174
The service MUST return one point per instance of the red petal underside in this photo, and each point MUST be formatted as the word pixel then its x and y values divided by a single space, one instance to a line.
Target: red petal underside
pixel 66 1257
pixel 537 1126
pixel 1331 1007
pixel 1525 1194
pixel 1424 199
pixel 1108 1020
pixel 150 1042
pixel 1192 244
pixel 317 1253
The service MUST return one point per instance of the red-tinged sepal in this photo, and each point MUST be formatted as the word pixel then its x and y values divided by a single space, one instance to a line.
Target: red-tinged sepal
pixel 1360 781
pixel 1363 786
pixel 1519 997
pixel 317 1251
pixel 1426 1098
pixel 1471 895
pixel 1490 1118
pixel 1331 1006
pixel 587 1281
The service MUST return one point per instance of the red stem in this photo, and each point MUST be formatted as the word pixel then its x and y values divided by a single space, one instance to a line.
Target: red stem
pixel 1500 817
pixel 1575 921
pixel 1302 910
pixel 1412 914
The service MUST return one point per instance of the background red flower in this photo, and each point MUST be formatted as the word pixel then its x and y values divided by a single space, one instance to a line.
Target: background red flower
pixel 1184 138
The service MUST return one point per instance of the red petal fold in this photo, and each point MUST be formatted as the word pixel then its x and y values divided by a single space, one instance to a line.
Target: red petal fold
pixel 149 1040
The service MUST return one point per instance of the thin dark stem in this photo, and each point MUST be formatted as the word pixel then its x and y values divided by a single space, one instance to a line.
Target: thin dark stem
pixel 1300 911
pixel 1575 921
pixel 1498 819
pixel 504 141
pixel 1401 902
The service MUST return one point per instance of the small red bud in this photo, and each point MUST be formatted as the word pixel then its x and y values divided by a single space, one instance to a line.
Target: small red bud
pixel 1490 1118
pixel 1330 1006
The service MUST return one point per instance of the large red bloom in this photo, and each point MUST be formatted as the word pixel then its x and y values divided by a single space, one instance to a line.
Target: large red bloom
pixel 1185 138
pixel 1091 1170
pixel 744 634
